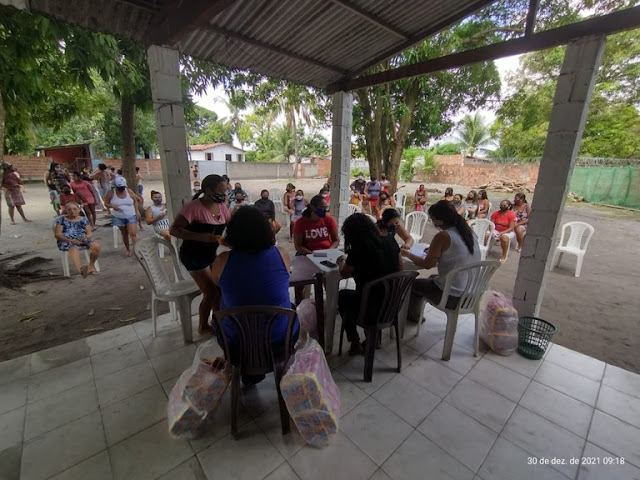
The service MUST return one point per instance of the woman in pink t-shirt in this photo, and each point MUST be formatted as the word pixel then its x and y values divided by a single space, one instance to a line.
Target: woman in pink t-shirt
pixel 200 224
pixel 505 222
pixel 83 188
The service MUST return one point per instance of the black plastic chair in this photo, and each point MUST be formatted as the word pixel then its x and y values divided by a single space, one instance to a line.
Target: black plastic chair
pixel 254 351
pixel 392 290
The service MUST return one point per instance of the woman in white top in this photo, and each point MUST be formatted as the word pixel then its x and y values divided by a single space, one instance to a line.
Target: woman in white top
pixel 454 246
pixel 156 215
pixel 125 211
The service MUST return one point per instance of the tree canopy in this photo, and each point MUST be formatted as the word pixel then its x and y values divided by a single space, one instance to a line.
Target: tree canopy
pixel 613 125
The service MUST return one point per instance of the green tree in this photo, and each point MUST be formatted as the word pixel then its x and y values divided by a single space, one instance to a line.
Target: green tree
pixel 203 127
pixel 412 112
pixel 611 128
pixel 313 143
pixel 473 133
pixel 446 148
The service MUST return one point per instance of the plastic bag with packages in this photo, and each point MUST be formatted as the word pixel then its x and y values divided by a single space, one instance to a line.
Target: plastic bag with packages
pixel 307 316
pixel 498 323
pixel 197 393
pixel 311 395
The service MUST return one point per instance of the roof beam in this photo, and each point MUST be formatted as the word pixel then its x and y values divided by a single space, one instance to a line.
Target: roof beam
pixel 604 25
pixel 178 19
pixel 447 22
pixel 371 18
pixel 272 48
pixel 531 16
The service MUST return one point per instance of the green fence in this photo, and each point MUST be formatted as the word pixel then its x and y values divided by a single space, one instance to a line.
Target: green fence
pixel 610 185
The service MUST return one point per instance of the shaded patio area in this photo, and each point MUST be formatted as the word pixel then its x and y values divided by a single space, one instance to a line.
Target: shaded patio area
pixel 96 408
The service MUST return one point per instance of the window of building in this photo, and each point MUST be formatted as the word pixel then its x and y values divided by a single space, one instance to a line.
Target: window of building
pixel 228 157
pixel 239 157
pixel 209 156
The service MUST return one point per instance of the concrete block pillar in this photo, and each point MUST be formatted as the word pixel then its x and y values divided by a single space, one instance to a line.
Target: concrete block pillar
pixel 341 154
pixel 566 125
pixel 166 91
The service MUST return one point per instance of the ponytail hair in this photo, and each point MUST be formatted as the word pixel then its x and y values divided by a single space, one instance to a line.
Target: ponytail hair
pixel 446 212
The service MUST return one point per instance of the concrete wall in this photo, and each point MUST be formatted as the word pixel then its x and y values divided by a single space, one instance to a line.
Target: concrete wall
pixel 472 175
pixel 31 169
pixel 251 170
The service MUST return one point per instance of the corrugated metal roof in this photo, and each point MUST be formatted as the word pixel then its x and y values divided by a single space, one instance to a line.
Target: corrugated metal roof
pixel 307 41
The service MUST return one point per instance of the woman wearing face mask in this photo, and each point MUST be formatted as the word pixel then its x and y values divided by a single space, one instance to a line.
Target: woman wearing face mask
pixel 268 209
pixel 156 215
pixel 57 176
pixel 125 212
pixel 448 194
pixel 200 224
pixel 391 225
pixel 83 188
pixel 522 211
pixel 385 202
pixel 483 204
pixel 505 222
pixel 458 205
pixel 298 204
pixel 315 229
pixel 420 198
pixel 471 206
pixel 454 246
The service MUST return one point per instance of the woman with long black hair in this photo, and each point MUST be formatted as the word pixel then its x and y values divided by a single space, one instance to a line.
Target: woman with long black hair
pixel 454 246
pixel 370 256
pixel 200 224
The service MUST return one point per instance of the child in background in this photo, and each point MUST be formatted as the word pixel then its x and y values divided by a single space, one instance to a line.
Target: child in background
pixel 66 196
pixel 54 196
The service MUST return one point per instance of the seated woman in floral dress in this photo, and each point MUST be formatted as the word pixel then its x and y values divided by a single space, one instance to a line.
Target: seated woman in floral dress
pixel 73 234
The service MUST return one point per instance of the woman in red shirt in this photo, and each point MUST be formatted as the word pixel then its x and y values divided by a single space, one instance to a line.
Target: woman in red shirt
pixel 83 188
pixel 315 229
pixel 505 222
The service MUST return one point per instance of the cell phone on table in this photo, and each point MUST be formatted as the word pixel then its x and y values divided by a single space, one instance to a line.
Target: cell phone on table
pixel 320 254
pixel 328 264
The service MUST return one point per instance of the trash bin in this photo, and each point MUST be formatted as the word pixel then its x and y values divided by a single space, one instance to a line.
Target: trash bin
pixel 534 335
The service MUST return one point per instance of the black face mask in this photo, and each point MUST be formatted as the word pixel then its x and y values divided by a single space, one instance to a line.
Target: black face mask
pixel 503 208
pixel 392 229
pixel 121 189
pixel 265 198
pixel 218 197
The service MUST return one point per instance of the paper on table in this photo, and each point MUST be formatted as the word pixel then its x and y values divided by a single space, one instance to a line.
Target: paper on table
pixel 418 252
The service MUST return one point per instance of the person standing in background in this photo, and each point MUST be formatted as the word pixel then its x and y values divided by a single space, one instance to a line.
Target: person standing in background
pixel 13 188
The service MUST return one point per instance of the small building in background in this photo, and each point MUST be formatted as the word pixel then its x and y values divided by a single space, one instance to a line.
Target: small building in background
pixel 72 157
pixel 216 152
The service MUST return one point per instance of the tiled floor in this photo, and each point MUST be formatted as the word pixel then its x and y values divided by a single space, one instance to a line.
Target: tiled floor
pixel 96 409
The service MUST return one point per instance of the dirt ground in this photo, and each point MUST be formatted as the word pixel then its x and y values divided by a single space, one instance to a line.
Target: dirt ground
pixel 596 314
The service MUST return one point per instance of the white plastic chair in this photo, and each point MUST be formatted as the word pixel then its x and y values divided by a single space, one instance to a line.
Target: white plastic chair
pixel 65 262
pixel 480 227
pixel 415 223
pixel 574 243
pixel 400 199
pixel 353 209
pixel 163 287
pixel 478 276
pixel 276 197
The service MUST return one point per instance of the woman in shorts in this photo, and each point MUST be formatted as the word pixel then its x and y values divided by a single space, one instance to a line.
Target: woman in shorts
pixel 125 212
pixel 200 224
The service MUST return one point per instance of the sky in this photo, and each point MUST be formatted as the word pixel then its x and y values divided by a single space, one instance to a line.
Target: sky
pixel 211 99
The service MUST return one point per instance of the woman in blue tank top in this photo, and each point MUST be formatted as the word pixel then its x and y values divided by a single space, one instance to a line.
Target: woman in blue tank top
pixel 254 272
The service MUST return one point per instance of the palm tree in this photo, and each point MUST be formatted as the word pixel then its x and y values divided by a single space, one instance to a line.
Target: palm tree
pixel 473 133
pixel 235 104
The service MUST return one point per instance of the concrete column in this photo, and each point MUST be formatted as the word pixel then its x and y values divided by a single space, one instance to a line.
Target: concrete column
pixel 341 154
pixel 566 125
pixel 166 92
